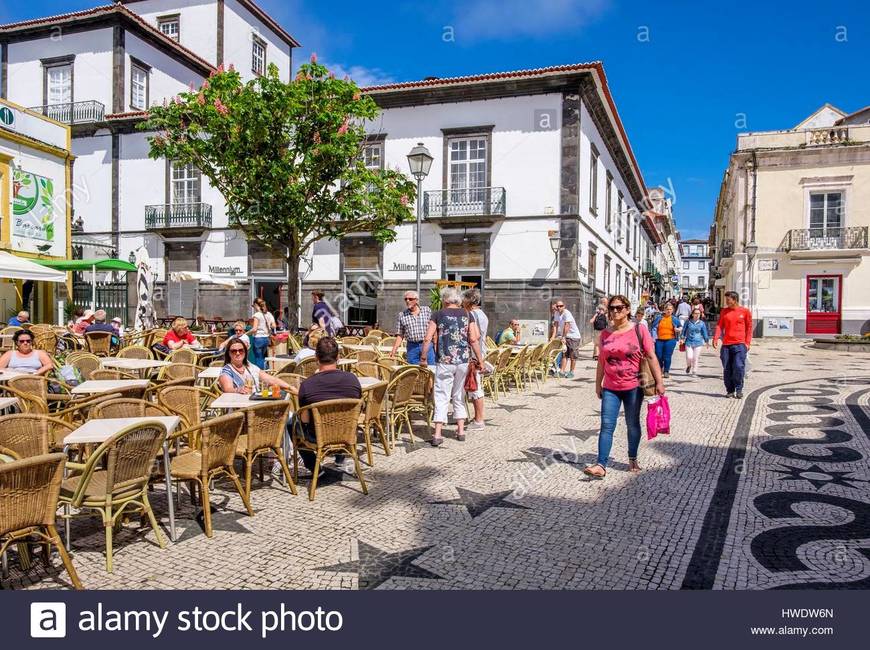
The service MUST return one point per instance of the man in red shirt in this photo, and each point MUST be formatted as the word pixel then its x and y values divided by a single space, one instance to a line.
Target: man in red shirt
pixel 735 329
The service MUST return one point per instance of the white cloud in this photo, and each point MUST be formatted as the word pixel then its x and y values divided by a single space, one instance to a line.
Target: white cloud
pixel 504 19
pixel 362 75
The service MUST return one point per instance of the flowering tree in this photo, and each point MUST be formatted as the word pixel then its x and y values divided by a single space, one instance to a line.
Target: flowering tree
pixel 287 158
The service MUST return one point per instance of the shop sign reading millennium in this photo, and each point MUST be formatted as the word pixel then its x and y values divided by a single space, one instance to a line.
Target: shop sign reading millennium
pixel 425 268
pixel 224 270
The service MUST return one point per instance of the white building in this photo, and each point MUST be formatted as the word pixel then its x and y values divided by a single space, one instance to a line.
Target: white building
pixel 695 271
pixel 534 193
pixel 99 70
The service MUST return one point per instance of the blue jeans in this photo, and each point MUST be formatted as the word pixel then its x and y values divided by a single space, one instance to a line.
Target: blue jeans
pixel 734 363
pixel 664 352
pixel 259 346
pixel 610 401
pixel 414 350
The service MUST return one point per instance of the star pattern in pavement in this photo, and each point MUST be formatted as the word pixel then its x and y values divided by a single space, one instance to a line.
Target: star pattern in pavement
pixel 821 478
pixel 510 408
pixel 544 395
pixel 580 434
pixel 478 503
pixel 375 566
pixel 530 457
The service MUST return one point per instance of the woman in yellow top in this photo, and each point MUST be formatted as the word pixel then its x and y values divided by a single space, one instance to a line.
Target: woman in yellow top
pixel 665 330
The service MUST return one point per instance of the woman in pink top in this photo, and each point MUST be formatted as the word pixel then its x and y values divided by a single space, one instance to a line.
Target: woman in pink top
pixel 616 381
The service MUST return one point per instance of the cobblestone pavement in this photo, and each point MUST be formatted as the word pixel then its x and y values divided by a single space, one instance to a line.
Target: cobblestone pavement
pixel 772 491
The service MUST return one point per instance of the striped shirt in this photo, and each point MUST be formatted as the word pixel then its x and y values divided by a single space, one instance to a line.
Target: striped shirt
pixel 412 327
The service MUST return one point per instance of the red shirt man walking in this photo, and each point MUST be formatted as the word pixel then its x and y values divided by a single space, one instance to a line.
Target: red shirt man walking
pixel 735 330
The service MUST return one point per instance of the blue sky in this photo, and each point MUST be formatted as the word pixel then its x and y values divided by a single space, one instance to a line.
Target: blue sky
pixel 683 74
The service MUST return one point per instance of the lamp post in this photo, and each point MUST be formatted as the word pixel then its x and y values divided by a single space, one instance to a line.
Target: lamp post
pixel 420 162
pixel 555 241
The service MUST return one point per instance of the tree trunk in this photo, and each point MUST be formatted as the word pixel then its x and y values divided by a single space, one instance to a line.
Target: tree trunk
pixel 293 297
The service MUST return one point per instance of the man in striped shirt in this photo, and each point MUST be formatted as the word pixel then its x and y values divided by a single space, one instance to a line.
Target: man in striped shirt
pixel 411 327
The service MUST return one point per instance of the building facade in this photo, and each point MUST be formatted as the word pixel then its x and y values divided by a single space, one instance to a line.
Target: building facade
pixel 695 267
pixel 35 172
pixel 791 226
pixel 99 71
pixel 534 194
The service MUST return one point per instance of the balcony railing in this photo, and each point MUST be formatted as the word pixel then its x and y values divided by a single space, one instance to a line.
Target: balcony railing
pixel 480 201
pixel 828 136
pixel 726 250
pixel 73 113
pixel 809 239
pixel 178 215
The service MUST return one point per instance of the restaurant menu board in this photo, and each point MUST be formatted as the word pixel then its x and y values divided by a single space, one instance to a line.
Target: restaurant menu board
pixel 534 331
pixel 34 208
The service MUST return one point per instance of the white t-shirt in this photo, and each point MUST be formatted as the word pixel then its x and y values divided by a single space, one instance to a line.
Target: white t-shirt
pixel 261 326
pixel 684 310
pixel 566 325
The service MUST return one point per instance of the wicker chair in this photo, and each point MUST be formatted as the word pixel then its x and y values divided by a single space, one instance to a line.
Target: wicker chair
pixel 387 341
pixel 27 402
pixel 214 458
pixel 283 365
pixel 533 362
pixel 514 370
pixel 182 356
pixel 378 334
pixel 335 425
pixel 370 419
pixel 307 366
pixel 367 355
pixel 153 390
pixel 188 402
pixel 350 340
pixel 489 381
pixel 29 491
pixel 37 386
pixel 46 341
pixel 128 408
pixel 135 340
pixel 490 343
pixel 371 340
pixel 99 343
pixel 84 362
pixel 24 436
pixel 128 457
pixel 400 393
pixel 264 432
pixel 111 374
pixel 423 397
pixel 501 374
pixel 135 352
pixel 179 371
pixel 368 369
pixel 156 336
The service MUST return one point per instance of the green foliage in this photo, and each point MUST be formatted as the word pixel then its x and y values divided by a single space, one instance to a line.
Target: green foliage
pixel 434 298
pixel 286 157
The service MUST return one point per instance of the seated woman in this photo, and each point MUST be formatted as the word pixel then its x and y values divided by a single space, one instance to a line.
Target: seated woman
pixel 24 358
pixel 179 336
pixel 238 334
pixel 309 343
pixel 239 376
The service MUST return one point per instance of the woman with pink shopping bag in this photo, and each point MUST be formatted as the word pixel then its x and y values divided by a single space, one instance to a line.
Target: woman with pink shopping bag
pixel 623 346
pixel 658 417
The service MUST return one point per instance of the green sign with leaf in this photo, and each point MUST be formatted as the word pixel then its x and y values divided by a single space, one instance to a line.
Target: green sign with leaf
pixel 33 209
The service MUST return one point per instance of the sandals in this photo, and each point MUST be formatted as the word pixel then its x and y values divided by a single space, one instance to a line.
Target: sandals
pixel 633 466
pixel 596 471
pixel 460 437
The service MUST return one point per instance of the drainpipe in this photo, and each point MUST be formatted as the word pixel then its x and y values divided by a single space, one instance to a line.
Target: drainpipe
pixel 751 248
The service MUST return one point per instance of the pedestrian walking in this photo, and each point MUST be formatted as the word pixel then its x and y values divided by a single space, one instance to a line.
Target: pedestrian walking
pixel 599 324
pixel 457 337
pixel 411 324
pixel 261 332
pixel 567 330
pixel 471 303
pixel 640 319
pixel 623 346
pixel 735 329
pixel 665 330
pixel 694 336
pixel 684 311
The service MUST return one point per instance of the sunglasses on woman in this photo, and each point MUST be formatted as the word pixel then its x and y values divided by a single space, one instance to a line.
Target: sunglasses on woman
pixel 22 341
pixel 237 351
pixel 617 307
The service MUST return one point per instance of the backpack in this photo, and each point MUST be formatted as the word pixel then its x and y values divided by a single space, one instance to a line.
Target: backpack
pixel 600 322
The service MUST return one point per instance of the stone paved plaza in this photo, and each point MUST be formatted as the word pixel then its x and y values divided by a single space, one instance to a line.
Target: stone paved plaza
pixel 772 491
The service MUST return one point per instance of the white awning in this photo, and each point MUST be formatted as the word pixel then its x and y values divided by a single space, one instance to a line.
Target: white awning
pixel 181 276
pixel 19 268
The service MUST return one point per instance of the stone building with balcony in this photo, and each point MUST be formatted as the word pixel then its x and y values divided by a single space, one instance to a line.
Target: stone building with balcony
pixel 790 231
pixel 695 267
pixel 534 194
pixel 99 70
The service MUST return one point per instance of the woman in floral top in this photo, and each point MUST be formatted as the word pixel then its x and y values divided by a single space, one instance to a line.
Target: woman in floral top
pixel 456 337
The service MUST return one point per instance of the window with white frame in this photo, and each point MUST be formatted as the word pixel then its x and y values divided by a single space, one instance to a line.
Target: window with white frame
pixel 686 265
pixel 619 209
pixel 258 56
pixel 702 281
pixel 170 26
pixel 373 158
pixel 618 279
pixel 701 265
pixel 593 180
pixel 186 185
pixel 686 282
pixel 58 84
pixel 608 202
pixel 467 169
pixel 138 87
pixel 826 214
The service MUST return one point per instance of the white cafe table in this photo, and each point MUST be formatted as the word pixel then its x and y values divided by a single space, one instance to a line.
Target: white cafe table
pixel 6 374
pixel 230 401
pixel 93 386
pixel 133 364
pixel 386 349
pixel 7 402
pixel 212 372
pixel 367 383
pixel 98 430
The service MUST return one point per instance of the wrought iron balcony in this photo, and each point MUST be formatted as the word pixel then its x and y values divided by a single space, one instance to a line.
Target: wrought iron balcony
pixel 178 216
pixel 726 250
pixel 476 202
pixel 813 239
pixel 73 113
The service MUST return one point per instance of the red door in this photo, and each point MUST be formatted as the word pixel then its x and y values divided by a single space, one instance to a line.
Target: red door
pixel 824 298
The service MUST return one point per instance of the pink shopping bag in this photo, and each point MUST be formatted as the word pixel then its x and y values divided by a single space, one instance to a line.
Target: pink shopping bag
pixel 658 417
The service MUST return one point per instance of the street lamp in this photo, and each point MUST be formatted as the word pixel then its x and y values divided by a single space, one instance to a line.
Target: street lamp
pixel 555 241
pixel 420 162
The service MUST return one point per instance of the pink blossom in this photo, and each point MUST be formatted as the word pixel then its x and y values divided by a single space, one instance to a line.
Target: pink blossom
pixel 300 75
pixel 332 75
pixel 221 108
pixel 356 96
pixel 232 68
pixel 343 128
pixel 200 99
pixel 192 89
pixel 205 85
pixel 158 141
pixel 314 57
pixel 220 68
pixel 404 200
